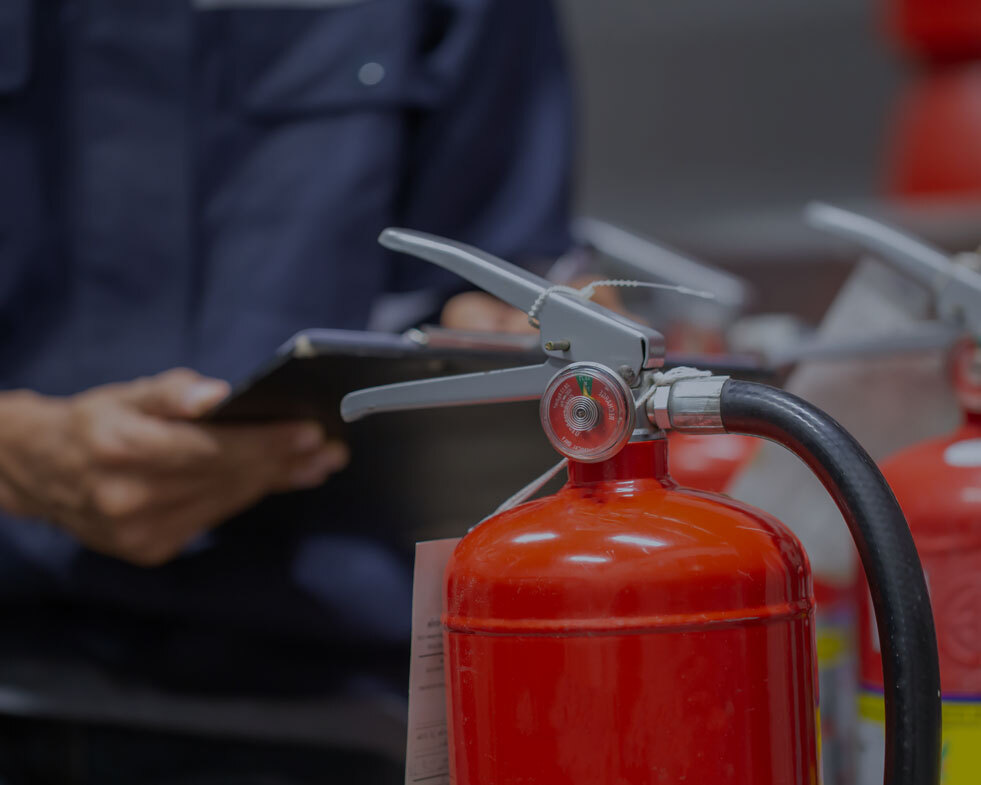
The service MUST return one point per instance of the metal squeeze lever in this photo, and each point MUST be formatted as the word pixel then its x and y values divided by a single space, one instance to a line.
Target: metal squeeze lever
pixel 572 328
pixel 956 288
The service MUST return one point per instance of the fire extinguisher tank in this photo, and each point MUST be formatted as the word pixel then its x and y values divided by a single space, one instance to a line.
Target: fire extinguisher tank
pixel 937 484
pixel 625 631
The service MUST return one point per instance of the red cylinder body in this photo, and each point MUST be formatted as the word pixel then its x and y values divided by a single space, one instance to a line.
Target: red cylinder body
pixel 626 632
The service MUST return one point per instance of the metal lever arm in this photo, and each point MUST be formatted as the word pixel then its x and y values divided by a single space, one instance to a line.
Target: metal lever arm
pixel 507 384
pixel 502 279
pixel 573 329
pixel 956 288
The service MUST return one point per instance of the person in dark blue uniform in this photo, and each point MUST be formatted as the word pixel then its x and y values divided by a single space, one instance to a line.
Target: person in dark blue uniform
pixel 185 185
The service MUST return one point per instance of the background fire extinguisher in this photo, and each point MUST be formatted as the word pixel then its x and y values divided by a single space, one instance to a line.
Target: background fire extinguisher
pixel 628 631
pixel 935 145
pixel 699 327
pixel 863 344
pixel 938 485
pixel 936 153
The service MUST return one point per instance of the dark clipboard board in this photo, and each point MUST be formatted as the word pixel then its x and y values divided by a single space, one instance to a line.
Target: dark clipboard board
pixel 315 369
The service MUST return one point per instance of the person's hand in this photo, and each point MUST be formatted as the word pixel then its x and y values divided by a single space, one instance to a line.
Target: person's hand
pixel 480 312
pixel 125 469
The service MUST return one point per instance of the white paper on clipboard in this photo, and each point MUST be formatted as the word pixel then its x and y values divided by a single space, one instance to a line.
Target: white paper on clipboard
pixel 427 760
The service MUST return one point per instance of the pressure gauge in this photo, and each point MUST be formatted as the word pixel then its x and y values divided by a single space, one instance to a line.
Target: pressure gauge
pixel 588 412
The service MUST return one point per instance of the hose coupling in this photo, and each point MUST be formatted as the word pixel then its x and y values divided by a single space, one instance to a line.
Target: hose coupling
pixel 689 405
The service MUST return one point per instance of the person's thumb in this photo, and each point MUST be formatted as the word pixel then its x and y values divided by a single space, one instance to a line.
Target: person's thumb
pixel 178 393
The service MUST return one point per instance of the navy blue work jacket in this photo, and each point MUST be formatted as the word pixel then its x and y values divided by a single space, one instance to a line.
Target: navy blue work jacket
pixel 191 183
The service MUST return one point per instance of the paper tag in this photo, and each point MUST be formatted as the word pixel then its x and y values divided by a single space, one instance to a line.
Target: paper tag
pixel 427 758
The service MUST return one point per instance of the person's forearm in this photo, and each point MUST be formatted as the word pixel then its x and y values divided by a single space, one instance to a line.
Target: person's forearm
pixel 23 414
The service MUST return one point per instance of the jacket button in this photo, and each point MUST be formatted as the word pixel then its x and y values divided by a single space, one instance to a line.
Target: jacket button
pixel 371 74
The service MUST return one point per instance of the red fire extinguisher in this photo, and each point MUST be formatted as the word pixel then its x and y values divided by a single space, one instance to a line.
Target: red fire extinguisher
pixel 709 462
pixel 935 134
pixel 938 31
pixel 938 485
pixel 624 631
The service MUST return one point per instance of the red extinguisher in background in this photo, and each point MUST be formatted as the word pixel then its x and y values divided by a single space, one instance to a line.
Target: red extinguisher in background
pixel 935 133
pixel 707 462
pixel 625 631
pixel 938 486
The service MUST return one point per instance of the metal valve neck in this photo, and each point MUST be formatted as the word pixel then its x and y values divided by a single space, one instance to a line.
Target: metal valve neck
pixel 645 460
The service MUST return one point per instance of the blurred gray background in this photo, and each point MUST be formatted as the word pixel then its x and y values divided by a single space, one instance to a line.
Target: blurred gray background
pixel 707 124
pixel 705 111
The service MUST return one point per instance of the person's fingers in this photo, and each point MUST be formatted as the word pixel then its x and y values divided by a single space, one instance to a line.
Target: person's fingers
pixel 154 539
pixel 466 312
pixel 147 464
pixel 116 436
pixel 148 521
pixel 15 502
pixel 511 320
pixel 312 470
pixel 122 495
pixel 266 446
pixel 177 393
pixel 306 462
pixel 123 438
pixel 148 518
pixel 476 311
pixel 480 312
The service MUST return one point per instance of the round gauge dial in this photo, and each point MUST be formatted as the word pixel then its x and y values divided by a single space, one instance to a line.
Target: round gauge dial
pixel 588 412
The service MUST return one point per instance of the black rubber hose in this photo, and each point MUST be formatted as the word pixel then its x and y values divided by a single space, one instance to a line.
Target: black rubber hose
pixel 910 666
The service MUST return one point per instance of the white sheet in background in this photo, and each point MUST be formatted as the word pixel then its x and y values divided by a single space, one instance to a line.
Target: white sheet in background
pixel 887 403
pixel 427 755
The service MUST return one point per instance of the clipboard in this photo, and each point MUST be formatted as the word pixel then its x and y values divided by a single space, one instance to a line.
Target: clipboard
pixel 315 369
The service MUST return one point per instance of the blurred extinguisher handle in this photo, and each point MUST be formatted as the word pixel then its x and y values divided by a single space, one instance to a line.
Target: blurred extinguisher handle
pixel 892 566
